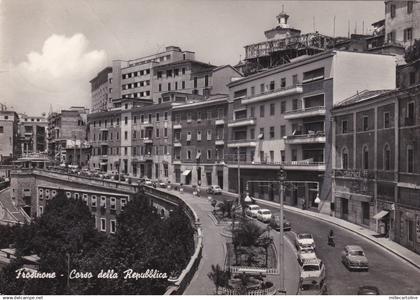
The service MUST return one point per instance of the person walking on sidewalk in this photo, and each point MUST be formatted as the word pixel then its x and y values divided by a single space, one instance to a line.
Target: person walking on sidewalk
pixel 331 241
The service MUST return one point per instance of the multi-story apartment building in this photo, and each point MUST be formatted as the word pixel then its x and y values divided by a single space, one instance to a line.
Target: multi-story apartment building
pixel 402 22
pixel 32 134
pixel 133 78
pixel 101 90
pixel 8 134
pixel 377 165
pixel 199 135
pixel 65 129
pixel 282 117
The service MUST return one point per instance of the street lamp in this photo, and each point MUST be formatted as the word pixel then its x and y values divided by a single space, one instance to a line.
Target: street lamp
pixel 281 178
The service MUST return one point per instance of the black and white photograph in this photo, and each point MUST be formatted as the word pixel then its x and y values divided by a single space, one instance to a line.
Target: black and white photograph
pixel 209 147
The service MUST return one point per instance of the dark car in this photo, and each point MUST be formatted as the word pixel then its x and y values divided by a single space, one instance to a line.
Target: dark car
pixel 275 223
pixel 368 290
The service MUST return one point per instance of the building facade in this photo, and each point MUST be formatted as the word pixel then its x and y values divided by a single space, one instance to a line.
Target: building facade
pixel 199 136
pixel 8 134
pixel 101 90
pixel 66 128
pixel 402 22
pixel 282 117
pixel 32 134
pixel 376 165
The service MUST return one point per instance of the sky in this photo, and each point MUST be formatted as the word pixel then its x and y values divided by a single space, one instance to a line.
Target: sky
pixel 50 49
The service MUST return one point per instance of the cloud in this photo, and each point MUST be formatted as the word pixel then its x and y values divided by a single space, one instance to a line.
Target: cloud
pixel 58 75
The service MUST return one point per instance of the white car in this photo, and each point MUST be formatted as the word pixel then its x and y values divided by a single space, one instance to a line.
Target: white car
pixel 312 269
pixel 304 239
pixel 305 254
pixel 252 210
pixel 264 215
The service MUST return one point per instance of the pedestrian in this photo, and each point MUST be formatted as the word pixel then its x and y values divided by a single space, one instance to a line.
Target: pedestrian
pixel 198 191
pixel 303 203
pixel 331 238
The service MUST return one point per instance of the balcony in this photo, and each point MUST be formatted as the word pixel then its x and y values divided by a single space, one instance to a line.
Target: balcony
pixel 219 142
pixel 310 138
pixel 354 174
pixel 176 161
pixel 305 113
pixel 219 122
pixel 241 122
pixel 148 157
pixel 241 143
pixel 148 141
pixel 304 165
pixel 177 126
pixel 177 144
pixel 147 124
pixel 270 94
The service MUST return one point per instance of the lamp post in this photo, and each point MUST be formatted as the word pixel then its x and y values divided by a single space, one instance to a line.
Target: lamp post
pixel 239 178
pixel 281 178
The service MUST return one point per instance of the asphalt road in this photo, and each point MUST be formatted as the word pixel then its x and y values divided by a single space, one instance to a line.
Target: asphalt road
pixel 391 274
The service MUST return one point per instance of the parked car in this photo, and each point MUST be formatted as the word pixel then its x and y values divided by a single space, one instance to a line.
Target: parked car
pixel 275 223
pixel 306 254
pixel 353 257
pixel 304 239
pixel 161 184
pixel 264 215
pixel 214 189
pixel 312 269
pixel 252 210
pixel 312 287
pixel 148 182
pixel 368 290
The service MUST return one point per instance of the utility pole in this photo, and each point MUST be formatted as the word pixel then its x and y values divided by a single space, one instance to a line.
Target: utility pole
pixel 239 178
pixel 282 177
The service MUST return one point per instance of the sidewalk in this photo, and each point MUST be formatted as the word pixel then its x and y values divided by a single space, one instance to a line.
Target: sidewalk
pixel 391 246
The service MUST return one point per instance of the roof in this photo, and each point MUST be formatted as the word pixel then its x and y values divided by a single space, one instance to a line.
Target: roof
pixel 180 62
pixel 362 96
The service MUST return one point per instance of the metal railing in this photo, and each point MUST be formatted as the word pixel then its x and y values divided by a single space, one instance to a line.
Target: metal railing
pixel 269 92
pixel 304 109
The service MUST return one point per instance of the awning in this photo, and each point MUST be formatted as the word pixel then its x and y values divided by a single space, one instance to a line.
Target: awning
pixel 198 155
pixel 380 214
pixel 186 172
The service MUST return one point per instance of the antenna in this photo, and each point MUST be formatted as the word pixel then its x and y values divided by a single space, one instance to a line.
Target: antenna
pixel 334 27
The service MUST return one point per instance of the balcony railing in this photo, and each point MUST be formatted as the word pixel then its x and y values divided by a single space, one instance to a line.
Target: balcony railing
pixel 219 122
pixel 354 173
pixel 177 126
pixel 305 112
pixel 148 141
pixel 241 122
pixel 303 165
pixel 241 143
pixel 309 138
pixel 219 142
pixel 267 95
pixel 177 144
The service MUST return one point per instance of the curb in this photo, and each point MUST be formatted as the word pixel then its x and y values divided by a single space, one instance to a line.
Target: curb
pixel 342 226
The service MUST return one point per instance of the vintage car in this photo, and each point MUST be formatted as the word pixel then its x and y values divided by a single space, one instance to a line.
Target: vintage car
pixel 304 239
pixel 353 257
pixel 264 215
pixel 275 223
pixel 252 210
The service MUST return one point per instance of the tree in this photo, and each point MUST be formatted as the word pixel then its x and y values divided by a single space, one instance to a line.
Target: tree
pixel 226 207
pixel 265 242
pixel 219 277
pixel 247 233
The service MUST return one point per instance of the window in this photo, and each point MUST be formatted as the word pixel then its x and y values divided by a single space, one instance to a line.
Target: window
pixel 282 131
pixel 365 123
pixel 408 34
pixel 410 114
pixel 188 136
pixel 168 73
pixel 209 135
pixel 252 134
pixel 103 224
pixel 165 132
pixel 283 107
pixel 252 112
pixel 176 72
pixel 344 126
pixel 199 135
pixel 240 93
pixel 386 120
pixel 272 156
pixel 295 104
pixel 391 37
pixel 262 111
pixel 344 158
pixel 183 71
pixel 160 87
pixel 1 129
pixel 272 109
pixel 195 82
pixel 410 159
pixel 125 135
pixel 283 83
pixel 169 86
pixel 199 116
pixel 150 118
pixel 113 203
pixel 283 155
pixel 142 133
pixel 261 135
pixel 208 154
pixel 365 152
pixel 272 132
pixel 313 75
pixel 272 85
pixel 188 154
pixel 252 90
pixel 166 116
pixel 159 74
pixel 294 155
pixel 157 132
pixel 125 151
pixel 387 157
pixel 412 78
pixel 392 8
pixel 206 80
pixel 113 226
pixel 295 79
pixel 125 120
pixel 183 84
pixel 409 7
pixel 93 201
pixel 189 117
pixel 262 88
